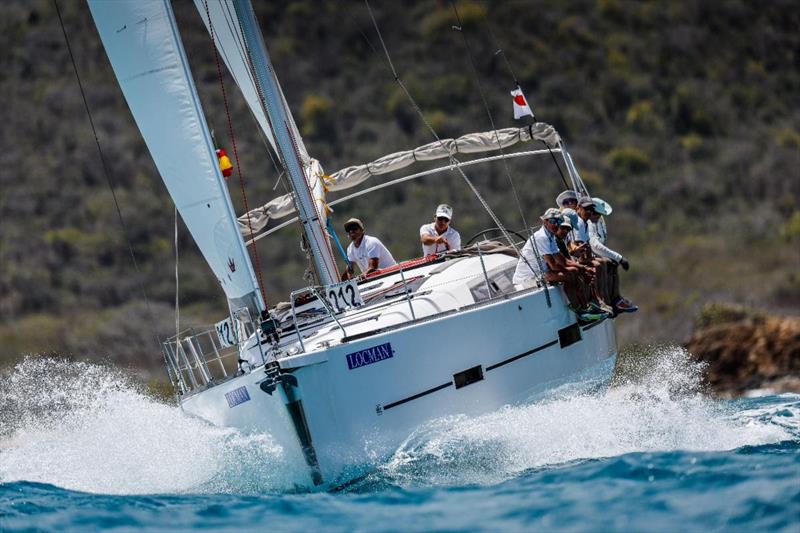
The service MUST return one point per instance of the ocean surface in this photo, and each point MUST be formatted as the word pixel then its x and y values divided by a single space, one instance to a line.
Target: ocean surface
pixel 82 448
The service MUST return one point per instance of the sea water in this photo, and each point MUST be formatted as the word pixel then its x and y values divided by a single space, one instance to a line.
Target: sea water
pixel 82 448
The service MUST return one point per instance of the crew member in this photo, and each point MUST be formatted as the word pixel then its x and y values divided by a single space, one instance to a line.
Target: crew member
pixel 582 250
pixel 567 200
pixel 609 258
pixel 366 251
pixel 438 236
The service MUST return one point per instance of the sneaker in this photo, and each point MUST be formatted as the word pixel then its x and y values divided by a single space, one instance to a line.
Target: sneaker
pixel 625 306
pixel 586 316
pixel 601 308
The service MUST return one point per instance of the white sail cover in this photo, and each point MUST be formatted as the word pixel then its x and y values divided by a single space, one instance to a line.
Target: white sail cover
pixel 144 47
pixel 352 176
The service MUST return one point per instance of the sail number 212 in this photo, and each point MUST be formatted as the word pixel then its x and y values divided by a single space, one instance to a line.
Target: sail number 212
pixel 344 295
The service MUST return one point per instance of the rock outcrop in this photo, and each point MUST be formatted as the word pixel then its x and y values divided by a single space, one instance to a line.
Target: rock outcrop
pixel 749 351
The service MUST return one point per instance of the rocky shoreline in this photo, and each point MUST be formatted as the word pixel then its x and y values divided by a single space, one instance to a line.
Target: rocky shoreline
pixel 747 350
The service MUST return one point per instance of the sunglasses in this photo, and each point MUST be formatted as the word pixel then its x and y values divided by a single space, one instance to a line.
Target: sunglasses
pixel 442 219
pixel 555 221
pixel 352 229
pixel 570 201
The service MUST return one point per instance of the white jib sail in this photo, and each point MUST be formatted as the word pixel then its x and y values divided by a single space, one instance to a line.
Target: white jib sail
pixel 142 42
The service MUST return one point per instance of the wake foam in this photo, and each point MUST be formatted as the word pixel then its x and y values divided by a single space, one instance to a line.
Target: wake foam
pixel 663 409
pixel 87 427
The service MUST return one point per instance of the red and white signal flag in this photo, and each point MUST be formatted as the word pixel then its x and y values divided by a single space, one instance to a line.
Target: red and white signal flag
pixel 521 107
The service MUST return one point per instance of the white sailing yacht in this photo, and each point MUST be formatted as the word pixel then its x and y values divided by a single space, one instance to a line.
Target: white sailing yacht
pixel 344 372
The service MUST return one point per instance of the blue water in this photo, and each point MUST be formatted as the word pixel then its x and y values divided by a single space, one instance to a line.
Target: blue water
pixel 82 448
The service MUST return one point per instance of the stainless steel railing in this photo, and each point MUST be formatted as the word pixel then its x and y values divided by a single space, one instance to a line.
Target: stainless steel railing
pixel 197 359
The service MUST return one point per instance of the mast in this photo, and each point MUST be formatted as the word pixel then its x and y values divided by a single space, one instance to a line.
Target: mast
pixel 290 147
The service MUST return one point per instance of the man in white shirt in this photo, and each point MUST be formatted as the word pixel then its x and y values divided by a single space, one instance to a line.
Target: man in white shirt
pixel 366 251
pixel 529 266
pixel 438 236
pixel 567 200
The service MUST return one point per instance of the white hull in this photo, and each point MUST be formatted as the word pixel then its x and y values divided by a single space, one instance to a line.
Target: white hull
pixel 469 362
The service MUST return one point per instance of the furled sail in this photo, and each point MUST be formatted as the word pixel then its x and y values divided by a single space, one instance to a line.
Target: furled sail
pixel 223 22
pixel 144 47
pixel 221 16
pixel 351 176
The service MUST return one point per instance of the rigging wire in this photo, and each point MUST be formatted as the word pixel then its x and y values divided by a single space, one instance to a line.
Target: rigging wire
pixel 452 158
pixel 460 29
pixel 500 51
pixel 416 107
pixel 177 281
pixel 254 250
pixel 528 228
pixel 110 181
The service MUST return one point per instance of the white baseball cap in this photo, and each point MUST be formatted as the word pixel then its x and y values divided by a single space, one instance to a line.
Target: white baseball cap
pixel 445 211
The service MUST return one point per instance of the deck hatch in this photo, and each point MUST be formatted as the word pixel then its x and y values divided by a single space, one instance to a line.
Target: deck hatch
pixel 468 376
pixel 569 335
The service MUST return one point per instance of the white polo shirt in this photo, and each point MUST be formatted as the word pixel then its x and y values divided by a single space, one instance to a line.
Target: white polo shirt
pixel 452 236
pixel 371 247
pixel 546 245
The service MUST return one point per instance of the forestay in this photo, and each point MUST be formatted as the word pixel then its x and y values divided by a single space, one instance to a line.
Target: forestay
pixel 144 47
pixel 352 176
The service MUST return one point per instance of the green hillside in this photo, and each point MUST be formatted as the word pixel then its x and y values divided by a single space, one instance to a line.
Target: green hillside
pixel 683 115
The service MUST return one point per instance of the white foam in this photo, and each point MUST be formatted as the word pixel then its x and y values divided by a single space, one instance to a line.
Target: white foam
pixel 664 410
pixel 85 427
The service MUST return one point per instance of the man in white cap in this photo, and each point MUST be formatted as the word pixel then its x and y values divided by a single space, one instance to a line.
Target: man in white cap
pixel 567 200
pixel 366 251
pixel 608 258
pixel 438 236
